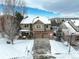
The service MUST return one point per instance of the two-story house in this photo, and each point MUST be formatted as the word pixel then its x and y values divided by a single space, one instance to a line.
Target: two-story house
pixel 39 27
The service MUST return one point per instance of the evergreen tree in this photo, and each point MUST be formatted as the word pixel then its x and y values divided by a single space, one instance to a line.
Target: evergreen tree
pixel 19 18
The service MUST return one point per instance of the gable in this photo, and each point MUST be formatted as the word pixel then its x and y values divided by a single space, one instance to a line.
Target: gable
pixel 44 20
pixel 38 22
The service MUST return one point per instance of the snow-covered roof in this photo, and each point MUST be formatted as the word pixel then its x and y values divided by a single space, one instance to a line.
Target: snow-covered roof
pixel 42 19
pixel 76 22
pixel 34 19
pixel 24 30
pixel 27 20
pixel 70 29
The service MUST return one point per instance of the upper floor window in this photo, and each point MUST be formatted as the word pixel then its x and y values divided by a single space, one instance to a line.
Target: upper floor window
pixel 46 26
pixel 38 26
pixel 26 25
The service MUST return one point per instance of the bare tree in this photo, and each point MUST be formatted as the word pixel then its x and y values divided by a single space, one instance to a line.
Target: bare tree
pixel 10 27
pixel 2 26
pixel 10 19
pixel 2 20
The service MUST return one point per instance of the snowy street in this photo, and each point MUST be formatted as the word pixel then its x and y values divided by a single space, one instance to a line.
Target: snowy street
pixel 21 49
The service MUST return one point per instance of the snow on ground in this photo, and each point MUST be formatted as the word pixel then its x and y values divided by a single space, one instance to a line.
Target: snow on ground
pixel 60 51
pixel 19 49
pixel 22 49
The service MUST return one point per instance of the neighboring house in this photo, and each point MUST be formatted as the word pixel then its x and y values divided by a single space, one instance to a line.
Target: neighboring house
pixel 71 30
pixel 69 25
pixel 39 27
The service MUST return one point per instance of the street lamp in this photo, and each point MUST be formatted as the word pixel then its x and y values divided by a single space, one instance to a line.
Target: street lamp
pixel 70 42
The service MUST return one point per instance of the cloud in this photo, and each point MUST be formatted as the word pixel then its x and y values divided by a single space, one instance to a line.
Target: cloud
pixel 35 4
pixel 64 7
pixel 69 15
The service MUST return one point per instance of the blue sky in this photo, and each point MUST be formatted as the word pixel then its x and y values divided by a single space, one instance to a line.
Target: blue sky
pixel 60 7
pixel 52 7
pixel 30 11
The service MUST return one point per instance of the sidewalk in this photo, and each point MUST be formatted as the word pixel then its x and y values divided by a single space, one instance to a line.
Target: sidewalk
pixel 41 46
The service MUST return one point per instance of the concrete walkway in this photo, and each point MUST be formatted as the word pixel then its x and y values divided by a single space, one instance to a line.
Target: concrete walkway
pixel 41 46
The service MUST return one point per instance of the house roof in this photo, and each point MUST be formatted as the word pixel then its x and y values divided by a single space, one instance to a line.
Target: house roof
pixel 24 30
pixel 27 20
pixel 70 29
pixel 42 19
pixel 76 22
pixel 35 19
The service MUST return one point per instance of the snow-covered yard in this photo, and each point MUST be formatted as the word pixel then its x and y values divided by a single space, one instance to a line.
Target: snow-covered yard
pixel 21 49
pixel 60 51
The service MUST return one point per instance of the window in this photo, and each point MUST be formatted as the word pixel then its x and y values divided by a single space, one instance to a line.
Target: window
pixel 46 26
pixel 38 26
pixel 26 25
pixel 23 33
